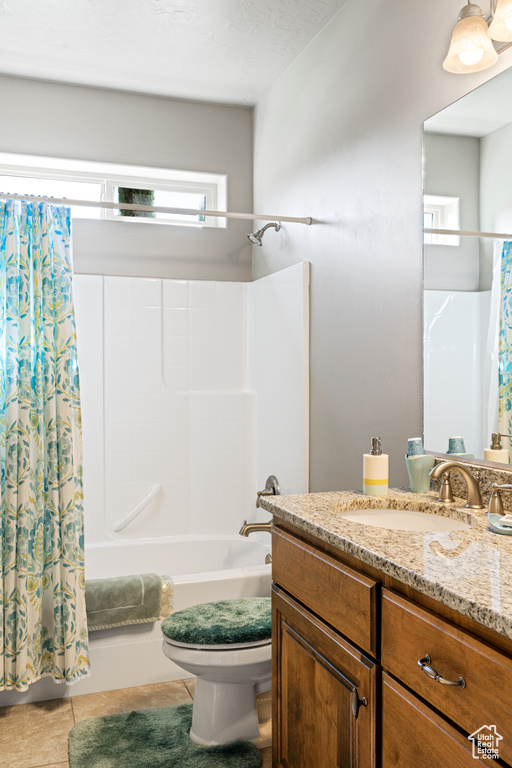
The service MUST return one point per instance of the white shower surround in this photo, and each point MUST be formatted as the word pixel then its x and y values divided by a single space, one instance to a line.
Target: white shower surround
pixel 201 388
pixel 455 335
pixel 181 382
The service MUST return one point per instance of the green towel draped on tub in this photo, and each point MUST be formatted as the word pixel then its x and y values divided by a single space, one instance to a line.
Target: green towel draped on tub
pixel 123 600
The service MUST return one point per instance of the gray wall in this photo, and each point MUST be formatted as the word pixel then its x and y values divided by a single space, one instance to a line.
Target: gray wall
pixel 339 137
pixel 496 186
pixel 496 180
pixel 452 167
pixel 54 120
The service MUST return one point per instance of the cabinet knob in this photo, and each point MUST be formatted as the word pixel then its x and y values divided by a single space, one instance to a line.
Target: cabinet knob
pixel 424 665
pixel 356 702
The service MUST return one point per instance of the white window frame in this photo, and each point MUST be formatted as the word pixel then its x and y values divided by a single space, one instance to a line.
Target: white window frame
pixel 446 213
pixel 111 175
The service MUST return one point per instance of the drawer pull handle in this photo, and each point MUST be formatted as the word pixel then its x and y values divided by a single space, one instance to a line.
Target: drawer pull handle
pixel 424 665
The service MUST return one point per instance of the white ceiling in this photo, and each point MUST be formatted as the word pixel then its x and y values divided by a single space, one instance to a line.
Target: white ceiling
pixel 227 51
pixel 480 112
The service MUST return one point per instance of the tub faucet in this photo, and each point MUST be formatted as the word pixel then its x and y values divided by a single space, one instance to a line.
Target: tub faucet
pixel 474 498
pixel 248 528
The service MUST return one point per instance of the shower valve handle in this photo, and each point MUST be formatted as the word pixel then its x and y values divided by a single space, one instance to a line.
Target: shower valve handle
pixel 271 489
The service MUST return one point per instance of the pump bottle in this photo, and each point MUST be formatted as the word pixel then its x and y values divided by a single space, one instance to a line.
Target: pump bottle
pixel 375 470
pixel 497 452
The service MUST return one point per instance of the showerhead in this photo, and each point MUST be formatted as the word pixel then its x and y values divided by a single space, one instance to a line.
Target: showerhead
pixel 255 237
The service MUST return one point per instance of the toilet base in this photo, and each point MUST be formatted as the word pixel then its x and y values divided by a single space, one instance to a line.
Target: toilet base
pixel 224 699
pixel 223 712
pixel 264 709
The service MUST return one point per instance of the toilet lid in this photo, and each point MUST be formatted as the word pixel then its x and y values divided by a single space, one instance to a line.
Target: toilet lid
pixel 243 622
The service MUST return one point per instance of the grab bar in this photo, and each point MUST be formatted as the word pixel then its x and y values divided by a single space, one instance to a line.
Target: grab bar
pixel 138 509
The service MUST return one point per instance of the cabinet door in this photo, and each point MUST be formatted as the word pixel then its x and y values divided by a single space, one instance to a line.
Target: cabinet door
pixel 324 692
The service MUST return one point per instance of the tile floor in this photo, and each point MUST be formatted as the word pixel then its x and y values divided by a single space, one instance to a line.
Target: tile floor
pixel 44 726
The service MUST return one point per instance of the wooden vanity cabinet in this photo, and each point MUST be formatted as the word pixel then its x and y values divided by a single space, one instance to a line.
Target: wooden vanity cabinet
pixel 347 686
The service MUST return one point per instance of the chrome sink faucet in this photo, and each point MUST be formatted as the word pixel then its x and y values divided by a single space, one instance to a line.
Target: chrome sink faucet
pixel 474 497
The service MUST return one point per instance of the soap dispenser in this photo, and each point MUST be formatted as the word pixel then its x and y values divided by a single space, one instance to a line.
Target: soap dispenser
pixel 497 452
pixel 375 470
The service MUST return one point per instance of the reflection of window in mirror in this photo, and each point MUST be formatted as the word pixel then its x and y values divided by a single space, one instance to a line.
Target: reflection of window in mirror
pixel 444 213
pixel 428 223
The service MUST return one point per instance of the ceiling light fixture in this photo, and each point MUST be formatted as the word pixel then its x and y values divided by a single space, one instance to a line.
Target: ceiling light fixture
pixel 471 47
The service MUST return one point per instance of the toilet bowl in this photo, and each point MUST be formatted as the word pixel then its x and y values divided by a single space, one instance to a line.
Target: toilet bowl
pixel 228 674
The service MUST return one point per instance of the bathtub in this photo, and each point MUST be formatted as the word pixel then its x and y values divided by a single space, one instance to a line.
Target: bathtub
pixel 203 569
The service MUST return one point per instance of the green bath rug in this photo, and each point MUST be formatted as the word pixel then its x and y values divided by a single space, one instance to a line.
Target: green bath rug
pixel 151 738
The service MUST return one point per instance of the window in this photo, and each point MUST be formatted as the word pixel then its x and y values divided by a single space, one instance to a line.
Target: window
pixel 108 182
pixel 48 187
pixel 441 212
pixel 428 223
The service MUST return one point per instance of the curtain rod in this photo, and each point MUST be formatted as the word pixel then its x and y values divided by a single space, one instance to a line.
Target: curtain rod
pixel 157 209
pixel 464 233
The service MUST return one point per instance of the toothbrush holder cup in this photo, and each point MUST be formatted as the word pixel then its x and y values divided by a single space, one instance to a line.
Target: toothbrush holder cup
pixel 419 468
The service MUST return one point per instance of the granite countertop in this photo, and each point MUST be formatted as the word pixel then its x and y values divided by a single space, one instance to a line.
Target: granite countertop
pixel 469 570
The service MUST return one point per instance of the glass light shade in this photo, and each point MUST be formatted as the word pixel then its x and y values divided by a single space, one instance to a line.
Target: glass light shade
pixel 501 25
pixel 471 49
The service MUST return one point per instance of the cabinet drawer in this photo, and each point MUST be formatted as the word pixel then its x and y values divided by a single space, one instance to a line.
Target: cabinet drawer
pixel 414 735
pixel 409 633
pixel 344 598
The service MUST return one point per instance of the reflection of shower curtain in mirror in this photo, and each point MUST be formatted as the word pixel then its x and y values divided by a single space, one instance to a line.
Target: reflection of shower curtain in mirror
pixel 43 629
pixel 505 356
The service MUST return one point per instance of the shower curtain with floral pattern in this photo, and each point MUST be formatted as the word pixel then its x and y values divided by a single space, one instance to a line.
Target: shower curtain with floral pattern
pixel 505 350
pixel 43 628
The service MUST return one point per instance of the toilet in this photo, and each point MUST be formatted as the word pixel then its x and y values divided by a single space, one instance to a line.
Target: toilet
pixel 227 645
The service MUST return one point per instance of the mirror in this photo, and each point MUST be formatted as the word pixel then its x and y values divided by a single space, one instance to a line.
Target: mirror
pixel 467 180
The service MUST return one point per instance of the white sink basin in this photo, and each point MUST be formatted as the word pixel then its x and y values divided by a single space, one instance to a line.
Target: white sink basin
pixel 404 520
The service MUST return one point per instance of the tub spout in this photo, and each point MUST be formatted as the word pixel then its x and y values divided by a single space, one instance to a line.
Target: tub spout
pixel 248 528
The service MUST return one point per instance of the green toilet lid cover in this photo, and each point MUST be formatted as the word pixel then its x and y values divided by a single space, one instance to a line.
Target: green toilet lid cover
pixel 244 620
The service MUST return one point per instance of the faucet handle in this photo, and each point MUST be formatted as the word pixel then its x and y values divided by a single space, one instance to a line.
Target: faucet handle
pixel 496 502
pixel 445 491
